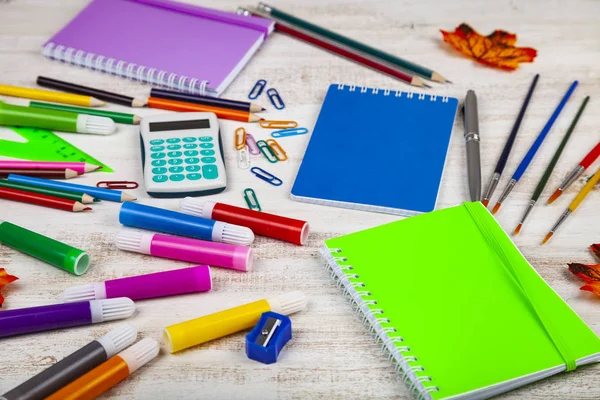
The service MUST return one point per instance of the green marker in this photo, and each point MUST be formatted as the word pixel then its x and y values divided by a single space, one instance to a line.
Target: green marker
pixel 12 115
pixel 80 197
pixel 119 118
pixel 53 252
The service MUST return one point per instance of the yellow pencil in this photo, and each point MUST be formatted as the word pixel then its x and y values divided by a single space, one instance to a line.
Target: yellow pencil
pixel 55 97
pixel 575 203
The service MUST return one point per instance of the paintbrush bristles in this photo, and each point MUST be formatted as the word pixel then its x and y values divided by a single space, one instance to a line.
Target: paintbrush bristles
pixel 517 229
pixel 485 203
pixel 496 208
pixel 554 196
pixel 548 236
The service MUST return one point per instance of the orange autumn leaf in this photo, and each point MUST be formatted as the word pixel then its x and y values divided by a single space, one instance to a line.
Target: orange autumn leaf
pixel 589 273
pixel 596 249
pixel 5 279
pixel 496 50
pixel 593 287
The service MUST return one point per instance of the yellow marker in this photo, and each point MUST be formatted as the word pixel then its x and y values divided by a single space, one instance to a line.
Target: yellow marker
pixel 575 203
pixel 46 95
pixel 200 330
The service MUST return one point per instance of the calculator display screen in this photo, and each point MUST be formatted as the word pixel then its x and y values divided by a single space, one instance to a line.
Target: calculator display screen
pixel 179 125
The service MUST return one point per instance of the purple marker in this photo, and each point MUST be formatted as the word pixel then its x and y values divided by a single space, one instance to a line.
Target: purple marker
pixel 57 316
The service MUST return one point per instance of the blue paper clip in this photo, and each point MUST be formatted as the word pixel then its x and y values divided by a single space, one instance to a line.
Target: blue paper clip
pixel 275 98
pixel 266 176
pixel 266 340
pixel 258 88
pixel 289 132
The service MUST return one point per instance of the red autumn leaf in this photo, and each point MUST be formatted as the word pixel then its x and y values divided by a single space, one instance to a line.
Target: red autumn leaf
pixel 5 279
pixel 496 50
pixel 596 249
pixel 593 287
pixel 589 273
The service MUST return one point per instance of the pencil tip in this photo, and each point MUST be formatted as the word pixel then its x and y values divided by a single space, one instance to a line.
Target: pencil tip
pixel 96 200
pixel 548 236
pixel 554 196
pixel 263 109
pixel 517 229
pixel 485 202
pixel 496 208
pixel 87 208
pixel 426 86
pixel 447 81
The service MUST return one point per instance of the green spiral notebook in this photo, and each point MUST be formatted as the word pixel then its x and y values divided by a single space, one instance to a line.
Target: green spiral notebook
pixel 456 306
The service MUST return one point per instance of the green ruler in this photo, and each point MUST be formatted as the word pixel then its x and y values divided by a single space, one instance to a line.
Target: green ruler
pixel 43 145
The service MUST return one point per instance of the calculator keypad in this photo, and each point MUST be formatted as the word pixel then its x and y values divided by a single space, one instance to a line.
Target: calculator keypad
pixel 174 162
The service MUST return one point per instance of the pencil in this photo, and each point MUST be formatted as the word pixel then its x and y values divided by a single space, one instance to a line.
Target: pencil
pixel 206 100
pixel 534 148
pixel 64 173
pixel 276 14
pixel 544 180
pixel 45 95
pixel 120 118
pixel 340 50
pixel 80 197
pixel 181 106
pixel 508 146
pixel 42 200
pixel 89 91
pixel 574 204
pixel 79 167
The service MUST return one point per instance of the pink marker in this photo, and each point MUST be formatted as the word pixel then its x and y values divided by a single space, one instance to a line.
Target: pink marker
pixel 79 167
pixel 186 249
pixel 160 284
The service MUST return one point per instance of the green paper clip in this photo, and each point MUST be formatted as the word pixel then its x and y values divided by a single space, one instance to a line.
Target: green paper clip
pixel 267 151
pixel 251 199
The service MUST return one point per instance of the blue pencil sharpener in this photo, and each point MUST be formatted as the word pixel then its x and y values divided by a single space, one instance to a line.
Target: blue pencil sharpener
pixel 267 338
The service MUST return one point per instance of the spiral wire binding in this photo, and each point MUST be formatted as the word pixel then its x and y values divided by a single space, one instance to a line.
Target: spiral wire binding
pixel 387 92
pixel 365 307
pixel 124 69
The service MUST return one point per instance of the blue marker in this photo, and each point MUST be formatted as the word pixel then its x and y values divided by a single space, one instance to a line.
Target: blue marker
pixel 176 223
pixel 99 193
pixel 534 148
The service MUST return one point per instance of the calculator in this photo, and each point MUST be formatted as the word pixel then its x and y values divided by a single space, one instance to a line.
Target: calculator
pixel 182 155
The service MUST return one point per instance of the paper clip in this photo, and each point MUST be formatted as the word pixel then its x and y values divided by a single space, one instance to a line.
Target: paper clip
pixel 243 158
pixel 275 98
pixel 277 124
pixel 289 132
pixel 267 151
pixel 251 199
pixel 251 144
pixel 240 138
pixel 266 176
pixel 117 185
pixel 258 88
pixel 277 149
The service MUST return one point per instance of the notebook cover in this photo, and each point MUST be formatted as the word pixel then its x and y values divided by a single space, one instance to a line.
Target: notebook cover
pixel 466 302
pixel 378 150
pixel 178 38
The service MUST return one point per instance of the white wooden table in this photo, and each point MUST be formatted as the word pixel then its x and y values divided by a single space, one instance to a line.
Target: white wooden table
pixel 331 355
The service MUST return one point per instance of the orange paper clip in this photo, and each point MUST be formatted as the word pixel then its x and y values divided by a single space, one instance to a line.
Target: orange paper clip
pixel 117 185
pixel 240 138
pixel 277 124
pixel 277 149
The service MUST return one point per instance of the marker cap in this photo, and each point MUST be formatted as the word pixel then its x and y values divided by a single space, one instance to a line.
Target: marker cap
pixel 118 339
pixel 288 303
pixel 140 354
pixel 111 309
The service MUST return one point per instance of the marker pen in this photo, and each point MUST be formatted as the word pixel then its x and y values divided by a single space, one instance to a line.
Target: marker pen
pixel 56 316
pixel 186 249
pixel 109 373
pixel 200 330
pixel 176 223
pixel 74 365
pixel 264 224
pixel 159 284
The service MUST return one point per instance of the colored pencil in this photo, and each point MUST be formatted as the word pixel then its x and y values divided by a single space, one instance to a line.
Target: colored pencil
pixel 370 51
pixel 89 91
pixel 99 193
pixel 45 95
pixel 544 180
pixel 206 100
pixel 181 106
pixel 340 50
pixel 80 197
pixel 42 200
pixel 79 167
pixel 42 173
pixel 576 173
pixel 534 148
pixel 508 146
pixel 574 204
pixel 120 118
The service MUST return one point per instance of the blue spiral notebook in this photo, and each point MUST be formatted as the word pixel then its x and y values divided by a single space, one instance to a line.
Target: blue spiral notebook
pixel 377 150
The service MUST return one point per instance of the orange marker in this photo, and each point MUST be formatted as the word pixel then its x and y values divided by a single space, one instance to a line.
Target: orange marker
pixel 109 373
pixel 225 113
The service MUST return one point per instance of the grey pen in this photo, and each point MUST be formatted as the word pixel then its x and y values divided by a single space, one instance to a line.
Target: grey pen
pixel 471 119
pixel 75 365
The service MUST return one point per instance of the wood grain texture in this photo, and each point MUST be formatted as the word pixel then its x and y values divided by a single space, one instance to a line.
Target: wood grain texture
pixel 331 355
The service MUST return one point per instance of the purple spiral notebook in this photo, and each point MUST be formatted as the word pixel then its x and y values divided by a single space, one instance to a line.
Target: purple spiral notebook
pixel 162 42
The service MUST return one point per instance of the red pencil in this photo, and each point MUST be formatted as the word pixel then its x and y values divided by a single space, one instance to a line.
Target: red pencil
pixel 576 173
pixel 42 200
pixel 56 173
